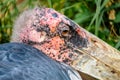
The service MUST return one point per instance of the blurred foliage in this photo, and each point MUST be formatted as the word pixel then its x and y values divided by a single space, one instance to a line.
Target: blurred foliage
pixel 101 17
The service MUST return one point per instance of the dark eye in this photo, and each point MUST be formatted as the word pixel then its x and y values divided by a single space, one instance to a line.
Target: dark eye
pixel 65 32
pixel 63 29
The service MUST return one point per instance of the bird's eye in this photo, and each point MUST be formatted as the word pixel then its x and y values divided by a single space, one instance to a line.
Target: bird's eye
pixel 63 29
pixel 65 33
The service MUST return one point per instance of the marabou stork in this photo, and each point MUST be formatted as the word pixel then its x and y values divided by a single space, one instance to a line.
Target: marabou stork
pixel 63 40
pixel 52 34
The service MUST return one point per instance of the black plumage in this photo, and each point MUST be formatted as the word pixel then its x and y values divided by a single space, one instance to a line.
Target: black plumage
pixel 22 62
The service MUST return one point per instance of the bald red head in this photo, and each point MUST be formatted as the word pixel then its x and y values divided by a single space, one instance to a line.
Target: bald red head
pixel 51 32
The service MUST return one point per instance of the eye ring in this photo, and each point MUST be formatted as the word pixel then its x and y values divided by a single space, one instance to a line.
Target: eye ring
pixel 63 29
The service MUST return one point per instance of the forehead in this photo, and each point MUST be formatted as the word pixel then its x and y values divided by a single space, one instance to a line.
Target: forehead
pixel 51 18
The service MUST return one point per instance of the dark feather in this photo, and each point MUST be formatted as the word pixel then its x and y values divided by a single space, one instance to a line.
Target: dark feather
pixel 22 62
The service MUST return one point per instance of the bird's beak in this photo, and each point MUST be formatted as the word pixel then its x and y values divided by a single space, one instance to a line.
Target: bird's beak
pixel 95 57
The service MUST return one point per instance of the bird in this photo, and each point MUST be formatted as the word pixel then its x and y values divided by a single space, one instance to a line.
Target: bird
pixel 23 62
pixel 52 33
pixel 61 39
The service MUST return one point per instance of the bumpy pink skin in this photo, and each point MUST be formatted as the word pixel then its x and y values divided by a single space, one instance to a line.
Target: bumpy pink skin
pixel 53 22
pixel 55 46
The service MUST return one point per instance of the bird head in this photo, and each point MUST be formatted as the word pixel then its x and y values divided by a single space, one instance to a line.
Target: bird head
pixel 51 32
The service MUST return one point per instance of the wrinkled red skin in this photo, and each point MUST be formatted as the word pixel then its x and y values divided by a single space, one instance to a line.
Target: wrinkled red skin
pixel 56 45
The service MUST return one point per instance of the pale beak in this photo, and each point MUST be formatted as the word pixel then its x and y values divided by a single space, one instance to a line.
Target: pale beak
pixel 97 59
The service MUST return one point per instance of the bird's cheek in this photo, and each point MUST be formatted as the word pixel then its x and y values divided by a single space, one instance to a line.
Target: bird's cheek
pixel 52 47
